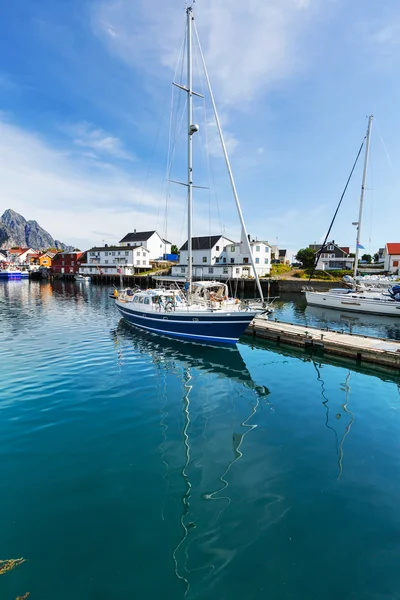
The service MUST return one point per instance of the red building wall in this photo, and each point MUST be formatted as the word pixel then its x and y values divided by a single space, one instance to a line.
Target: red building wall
pixel 67 262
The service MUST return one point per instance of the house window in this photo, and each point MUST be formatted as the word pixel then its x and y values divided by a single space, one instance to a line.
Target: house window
pixel 217 248
pixel 332 256
pixel 143 253
pixel 138 262
pixel 237 270
pixel 246 260
pixel 395 263
pixel 257 261
pixel 330 247
pixel 232 248
pixel 210 270
pixel 143 262
pixel 217 259
pixel 106 261
pixel 137 253
pixel 118 253
pixel 266 248
pixel 224 260
pixel 225 270
pixel 204 259
pixel 182 269
pixel 232 260
pixel 257 248
pixel 126 253
pixel 128 244
pixel 266 261
pixel 105 270
pixel 72 262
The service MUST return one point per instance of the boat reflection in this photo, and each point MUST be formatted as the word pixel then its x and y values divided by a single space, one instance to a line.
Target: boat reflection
pixel 211 417
pixel 349 322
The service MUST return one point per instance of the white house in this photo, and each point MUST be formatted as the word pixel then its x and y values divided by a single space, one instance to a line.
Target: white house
pixel 391 257
pixel 20 255
pixel 333 256
pixel 112 260
pixel 219 257
pixel 155 244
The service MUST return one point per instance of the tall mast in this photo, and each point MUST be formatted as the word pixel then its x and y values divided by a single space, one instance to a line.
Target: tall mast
pixel 364 179
pixel 228 166
pixel 189 16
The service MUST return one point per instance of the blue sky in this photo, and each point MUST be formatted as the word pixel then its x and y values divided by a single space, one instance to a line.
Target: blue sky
pixel 84 109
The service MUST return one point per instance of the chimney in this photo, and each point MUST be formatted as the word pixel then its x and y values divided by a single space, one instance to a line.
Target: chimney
pixel 134 231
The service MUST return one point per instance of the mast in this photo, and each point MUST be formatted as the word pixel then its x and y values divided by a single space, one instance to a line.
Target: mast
pixel 228 166
pixel 364 179
pixel 189 15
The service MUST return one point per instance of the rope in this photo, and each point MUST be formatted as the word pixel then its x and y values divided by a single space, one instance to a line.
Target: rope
pixel 336 211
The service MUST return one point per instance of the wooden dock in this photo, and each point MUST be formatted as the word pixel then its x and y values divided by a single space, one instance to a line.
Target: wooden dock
pixel 358 347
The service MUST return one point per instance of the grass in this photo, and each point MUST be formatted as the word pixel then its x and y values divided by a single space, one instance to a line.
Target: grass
pixel 322 275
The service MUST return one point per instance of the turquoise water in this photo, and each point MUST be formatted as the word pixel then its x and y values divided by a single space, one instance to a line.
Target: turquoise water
pixel 292 308
pixel 137 467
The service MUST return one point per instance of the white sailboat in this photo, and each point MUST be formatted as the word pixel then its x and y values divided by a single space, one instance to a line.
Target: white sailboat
pixel 359 299
pixel 203 311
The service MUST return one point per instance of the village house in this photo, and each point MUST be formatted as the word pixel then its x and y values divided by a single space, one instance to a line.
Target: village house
pixel 219 257
pixel 150 240
pixel 113 260
pixel 333 256
pixel 45 260
pixel 391 257
pixel 67 262
pixel 20 256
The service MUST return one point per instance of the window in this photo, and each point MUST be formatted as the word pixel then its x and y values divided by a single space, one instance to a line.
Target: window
pixel 128 244
pixel 143 262
pixel 224 260
pixel 246 260
pixel 330 247
pixel 237 270
pixel 141 299
pixel 232 248
pixel 106 270
pixel 137 253
pixel 72 262
pixel 266 261
pixel 204 259
pixel 106 261
pixel 225 270
pixel 266 248
pixel 143 253
pixel 138 262
pixel 147 300
pixel 63 263
pixel 217 248
pixel 217 259
pixel 332 256
pixel 257 248
pixel 126 253
pixel 182 269
pixel 118 253
pixel 210 270
pixel 232 260
pixel 257 261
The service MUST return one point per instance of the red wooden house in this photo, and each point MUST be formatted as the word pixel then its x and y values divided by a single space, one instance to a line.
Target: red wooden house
pixel 67 262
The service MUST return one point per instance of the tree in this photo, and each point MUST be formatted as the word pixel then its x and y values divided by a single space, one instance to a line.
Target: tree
pixel 376 257
pixel 307 257
pixel 367 258
pixel 174 249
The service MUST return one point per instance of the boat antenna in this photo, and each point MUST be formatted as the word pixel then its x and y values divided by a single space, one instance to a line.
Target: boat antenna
pixel 228 166
pixel 364 179
pixel 336 212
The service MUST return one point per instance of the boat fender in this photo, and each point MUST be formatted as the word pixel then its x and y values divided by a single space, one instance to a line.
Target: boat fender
pixel 115 293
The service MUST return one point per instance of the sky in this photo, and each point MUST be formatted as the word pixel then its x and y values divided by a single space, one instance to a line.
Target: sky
pixel 85 114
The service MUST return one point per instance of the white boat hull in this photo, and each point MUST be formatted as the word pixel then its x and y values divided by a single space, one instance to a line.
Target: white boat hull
pixel 373 306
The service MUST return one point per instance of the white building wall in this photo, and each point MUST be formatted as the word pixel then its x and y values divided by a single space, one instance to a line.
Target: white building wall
pixel 111 259
pixel 156 246
pixel 209 256
pixel 392 263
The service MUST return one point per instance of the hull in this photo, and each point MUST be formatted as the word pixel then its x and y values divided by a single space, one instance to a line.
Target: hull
pixel 370 306
pixel 224 328
pixel 10 274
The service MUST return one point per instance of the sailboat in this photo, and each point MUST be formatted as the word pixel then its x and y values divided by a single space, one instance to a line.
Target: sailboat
pixel 358 298
pixel 203 311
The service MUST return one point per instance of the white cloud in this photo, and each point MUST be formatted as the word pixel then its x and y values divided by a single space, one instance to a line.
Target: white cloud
pixel 249 46
pixel 86 135
pixel 67 196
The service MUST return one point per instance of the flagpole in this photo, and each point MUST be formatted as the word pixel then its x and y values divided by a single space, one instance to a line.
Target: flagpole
pixel 364 179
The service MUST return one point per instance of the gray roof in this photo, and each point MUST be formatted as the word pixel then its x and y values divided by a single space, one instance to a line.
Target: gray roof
pixel 166 241
pixel 140 236
pixel 282 252
pixel 205 242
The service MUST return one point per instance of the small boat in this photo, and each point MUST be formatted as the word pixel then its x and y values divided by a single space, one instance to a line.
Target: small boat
pixel 8 271
pixel 82 278
pixel 202 311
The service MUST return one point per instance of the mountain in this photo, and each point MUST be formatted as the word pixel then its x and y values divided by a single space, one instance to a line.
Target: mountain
pixel 15 230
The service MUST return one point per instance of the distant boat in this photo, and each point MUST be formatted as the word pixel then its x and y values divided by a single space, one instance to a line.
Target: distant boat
pixel 359 299
pixel 202 311
pixel 9 272
pixel 83 278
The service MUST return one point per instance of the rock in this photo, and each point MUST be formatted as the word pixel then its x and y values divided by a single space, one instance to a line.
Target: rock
pixel 15 230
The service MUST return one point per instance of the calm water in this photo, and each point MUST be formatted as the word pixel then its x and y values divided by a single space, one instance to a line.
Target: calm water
pixel 135 467
pixel 293 308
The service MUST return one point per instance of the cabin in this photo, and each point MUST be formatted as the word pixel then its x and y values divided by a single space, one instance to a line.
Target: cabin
pixel 150 240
